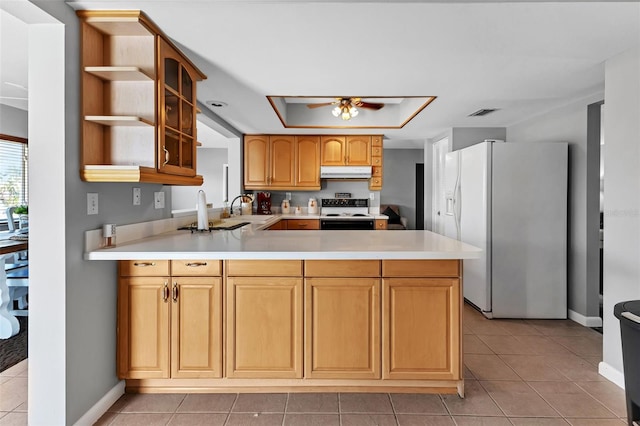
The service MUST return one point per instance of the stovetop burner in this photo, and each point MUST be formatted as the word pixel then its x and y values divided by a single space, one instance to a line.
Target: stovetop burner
pixel 345 208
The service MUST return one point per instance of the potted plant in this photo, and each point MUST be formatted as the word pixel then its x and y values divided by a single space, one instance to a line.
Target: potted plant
pixel 23 216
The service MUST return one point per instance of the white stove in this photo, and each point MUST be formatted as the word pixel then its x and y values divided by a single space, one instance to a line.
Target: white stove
pixel 346 214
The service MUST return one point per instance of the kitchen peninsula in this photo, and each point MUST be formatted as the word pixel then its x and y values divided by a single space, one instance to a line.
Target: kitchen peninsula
pixel 253 310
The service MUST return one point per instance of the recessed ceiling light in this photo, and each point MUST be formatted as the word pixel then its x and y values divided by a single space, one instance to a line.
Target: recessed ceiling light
pixel 216 104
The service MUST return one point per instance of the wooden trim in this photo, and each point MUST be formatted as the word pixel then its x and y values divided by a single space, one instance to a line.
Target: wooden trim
pixel 14 138
pixel 290 385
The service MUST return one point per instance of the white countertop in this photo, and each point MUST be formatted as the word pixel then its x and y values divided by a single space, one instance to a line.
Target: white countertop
pixel 252 242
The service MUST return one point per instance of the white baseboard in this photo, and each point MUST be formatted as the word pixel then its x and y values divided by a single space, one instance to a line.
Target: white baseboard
pixel 611 374
pixel 101 407
pixel 585 321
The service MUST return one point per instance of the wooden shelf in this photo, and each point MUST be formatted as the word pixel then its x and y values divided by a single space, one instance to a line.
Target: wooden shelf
pixel 118 120
pixel 122 173
pixel 109 73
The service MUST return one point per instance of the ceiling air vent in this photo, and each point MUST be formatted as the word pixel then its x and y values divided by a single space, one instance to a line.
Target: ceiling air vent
pixel 483 111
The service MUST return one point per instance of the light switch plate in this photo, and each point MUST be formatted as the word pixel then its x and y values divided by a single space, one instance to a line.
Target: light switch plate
pixel 92 203
pixel 137 196
pixel 372 196
pixel 158 200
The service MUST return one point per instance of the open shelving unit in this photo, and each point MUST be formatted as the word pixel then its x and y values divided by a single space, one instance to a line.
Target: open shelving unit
pixel 125 133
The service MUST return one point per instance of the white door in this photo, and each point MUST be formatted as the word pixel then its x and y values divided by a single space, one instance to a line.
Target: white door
pixel 440 149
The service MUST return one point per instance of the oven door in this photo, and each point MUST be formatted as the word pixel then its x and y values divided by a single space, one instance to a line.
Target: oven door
pixel 347 224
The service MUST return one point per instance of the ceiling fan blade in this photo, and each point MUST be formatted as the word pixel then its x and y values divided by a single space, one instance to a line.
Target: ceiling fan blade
pixel 320 105
pixel 369 105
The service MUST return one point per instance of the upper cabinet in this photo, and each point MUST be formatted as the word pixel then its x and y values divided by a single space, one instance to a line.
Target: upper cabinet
pixel 138 102
pixel 307 162
pixel 292 162
pixel 281 162
pixel 346 150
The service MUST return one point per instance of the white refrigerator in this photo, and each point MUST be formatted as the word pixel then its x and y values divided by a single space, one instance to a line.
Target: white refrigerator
pixel 510 199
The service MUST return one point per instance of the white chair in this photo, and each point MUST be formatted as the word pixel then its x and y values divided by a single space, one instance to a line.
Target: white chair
pixel 10 221
pixel 23 255
pixel 18 284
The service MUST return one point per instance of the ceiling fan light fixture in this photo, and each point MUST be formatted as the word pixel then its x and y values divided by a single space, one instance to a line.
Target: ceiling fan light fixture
pixel 336 111
pixel 354 111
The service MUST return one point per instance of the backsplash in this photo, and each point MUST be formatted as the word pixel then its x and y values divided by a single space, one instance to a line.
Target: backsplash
pixel 358 189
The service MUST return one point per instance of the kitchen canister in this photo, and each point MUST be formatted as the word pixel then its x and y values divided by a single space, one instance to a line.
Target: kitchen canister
pixel 108 235
pixel 286 207
pixel 312 207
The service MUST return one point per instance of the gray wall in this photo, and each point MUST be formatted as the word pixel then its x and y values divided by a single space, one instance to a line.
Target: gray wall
pixel 13 121
pixel 462 137
pixel 91 291
pixel 569 124
pixel 622 199
pixel 399 185
pixel 210 161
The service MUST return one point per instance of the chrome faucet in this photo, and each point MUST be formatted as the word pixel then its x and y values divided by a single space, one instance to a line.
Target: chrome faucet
pixel 231 206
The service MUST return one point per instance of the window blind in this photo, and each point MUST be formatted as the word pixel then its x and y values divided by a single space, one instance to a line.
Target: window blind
pixel 14 177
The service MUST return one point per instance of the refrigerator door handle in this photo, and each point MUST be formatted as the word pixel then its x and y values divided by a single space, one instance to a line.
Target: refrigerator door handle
pixel 449 206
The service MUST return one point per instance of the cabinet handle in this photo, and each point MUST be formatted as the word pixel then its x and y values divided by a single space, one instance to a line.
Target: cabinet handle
pixel 195 264
pixel 166 156
pixel 143 264
pixel 165 292
pixel 174 292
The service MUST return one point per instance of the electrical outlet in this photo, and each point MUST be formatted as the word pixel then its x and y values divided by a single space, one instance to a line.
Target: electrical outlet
pixel 137 195
pixel 287 195
pixel 158 200
pixel 92 203
pixel 372 196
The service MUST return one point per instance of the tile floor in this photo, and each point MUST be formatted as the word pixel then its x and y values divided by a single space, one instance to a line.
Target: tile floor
pixel 518 372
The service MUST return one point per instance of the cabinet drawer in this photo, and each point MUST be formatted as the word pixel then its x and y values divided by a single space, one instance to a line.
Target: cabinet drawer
pixel 376 140
pixel 342 268
pixel 381 224
pixel 303 224
pixel 144 268
pixel 376 171
pixel 207 268
pixel 376 151
pixel 420 268
pixel 264 268
pixel 376 161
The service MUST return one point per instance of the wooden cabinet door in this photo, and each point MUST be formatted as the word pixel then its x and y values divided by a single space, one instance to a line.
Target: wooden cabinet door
pixel 143 328
pixel 421 328
pixel 264 327
pixel 342 328
pixel 196 327
pixel 307 162
pixel 256 161
pixel 358 150
pixel 282 164
pixel 176 114
pixel 333 150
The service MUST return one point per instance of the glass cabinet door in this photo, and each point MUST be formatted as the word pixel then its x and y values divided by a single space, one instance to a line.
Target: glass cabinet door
pixel 177 129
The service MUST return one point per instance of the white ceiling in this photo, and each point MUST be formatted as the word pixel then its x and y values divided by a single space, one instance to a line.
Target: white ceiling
pixel 524 58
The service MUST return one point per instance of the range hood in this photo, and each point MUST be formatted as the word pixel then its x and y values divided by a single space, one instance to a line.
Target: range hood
pixel 345 172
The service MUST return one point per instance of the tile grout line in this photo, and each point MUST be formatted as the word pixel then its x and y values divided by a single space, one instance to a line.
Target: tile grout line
pixel 393 409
